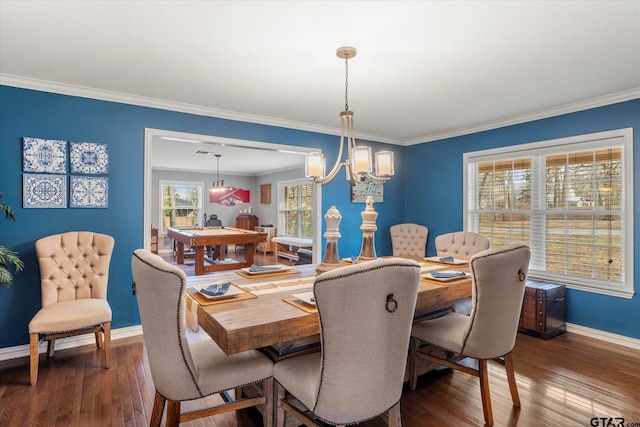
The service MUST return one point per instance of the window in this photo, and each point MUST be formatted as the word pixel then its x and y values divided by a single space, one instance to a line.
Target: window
pixel 570 200
pixel 295 199
pixel 180 204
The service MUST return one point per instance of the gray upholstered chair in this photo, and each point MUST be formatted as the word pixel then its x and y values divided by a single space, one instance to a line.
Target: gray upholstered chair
pixel 187 371
pixel 409 240
pixel 365 311
pixel 74 273
pixel 499 277
pixel 461 245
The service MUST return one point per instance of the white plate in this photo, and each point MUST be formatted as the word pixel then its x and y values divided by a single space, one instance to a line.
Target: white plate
pixel 306 297
pixel 454 262
pixel 445 279
pixel 280 268
pixel 233 291
pixel 350 260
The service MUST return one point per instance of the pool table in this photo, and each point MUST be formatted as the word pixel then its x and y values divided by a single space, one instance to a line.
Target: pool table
pixel 200 238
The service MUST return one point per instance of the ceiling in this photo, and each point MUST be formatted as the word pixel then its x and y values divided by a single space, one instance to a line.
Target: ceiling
pixel 425 70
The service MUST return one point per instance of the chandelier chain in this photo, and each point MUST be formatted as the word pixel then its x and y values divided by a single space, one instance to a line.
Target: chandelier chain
pixel 346 83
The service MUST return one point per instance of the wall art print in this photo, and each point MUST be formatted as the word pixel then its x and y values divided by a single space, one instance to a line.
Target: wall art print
pixel 89 192
pixel 44 191
pixel 44 155
pixel 369 187
pixel 232 196
pixel 89 158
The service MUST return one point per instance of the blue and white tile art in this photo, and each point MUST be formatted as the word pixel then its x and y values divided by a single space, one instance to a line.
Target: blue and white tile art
pixel 44 191
pixel 44 155
pixel 89 158
pixel 89 192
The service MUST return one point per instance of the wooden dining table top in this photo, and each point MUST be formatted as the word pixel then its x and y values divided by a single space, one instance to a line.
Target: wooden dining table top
pixel 261 318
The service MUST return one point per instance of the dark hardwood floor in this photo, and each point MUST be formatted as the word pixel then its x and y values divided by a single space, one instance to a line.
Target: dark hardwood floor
pixel 565 381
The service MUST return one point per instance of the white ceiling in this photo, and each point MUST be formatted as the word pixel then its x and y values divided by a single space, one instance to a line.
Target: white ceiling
pixel 424 70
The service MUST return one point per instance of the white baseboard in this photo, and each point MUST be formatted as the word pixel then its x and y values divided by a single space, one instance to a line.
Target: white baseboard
pixel 61 344
pixel 604 336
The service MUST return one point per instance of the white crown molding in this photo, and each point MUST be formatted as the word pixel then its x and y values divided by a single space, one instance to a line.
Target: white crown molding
pixel 614 98
pixel 86 92
pixel 124 98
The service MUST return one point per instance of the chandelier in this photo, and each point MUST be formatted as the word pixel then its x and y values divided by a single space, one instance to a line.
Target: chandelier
pixel 359 162
pixel 218 184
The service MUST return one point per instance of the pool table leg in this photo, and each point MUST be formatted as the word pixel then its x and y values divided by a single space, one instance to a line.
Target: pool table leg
pixel 199 261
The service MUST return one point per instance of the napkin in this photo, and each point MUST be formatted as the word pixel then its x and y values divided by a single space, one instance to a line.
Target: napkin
pixel 446 259
pixel 447 275
pixel 254 268
pixel 216 290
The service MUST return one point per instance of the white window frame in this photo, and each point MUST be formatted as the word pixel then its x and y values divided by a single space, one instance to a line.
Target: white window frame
pixel 619 137
pixel 281 185
pixel 164 183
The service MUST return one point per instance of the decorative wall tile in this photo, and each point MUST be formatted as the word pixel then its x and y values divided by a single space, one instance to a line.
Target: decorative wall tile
pixel 44 155
pixel 89 192
pixel 89 158
pixel 44 191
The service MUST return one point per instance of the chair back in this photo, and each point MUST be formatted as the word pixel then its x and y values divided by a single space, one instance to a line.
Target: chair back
pixel 499 278
pixel 159 288
pixel 461 244
pixel 213 221
pixel 74 265
pixel 365 311
pixel 409 239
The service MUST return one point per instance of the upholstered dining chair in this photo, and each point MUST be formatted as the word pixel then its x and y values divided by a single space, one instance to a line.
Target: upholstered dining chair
pixel 74 273
pixel 409 240
pixel 187 371
pixel 461 245
pixel 498 281
pixel 365 312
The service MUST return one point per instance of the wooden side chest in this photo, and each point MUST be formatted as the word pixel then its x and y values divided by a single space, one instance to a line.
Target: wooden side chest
pixel 543 310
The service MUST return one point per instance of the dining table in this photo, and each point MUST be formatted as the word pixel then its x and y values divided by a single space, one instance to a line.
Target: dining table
pixel 270 310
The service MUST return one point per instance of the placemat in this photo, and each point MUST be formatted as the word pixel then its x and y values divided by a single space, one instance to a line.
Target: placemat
pixel 202 300
pixel 278 286
pixel 288 272
pixel 301 304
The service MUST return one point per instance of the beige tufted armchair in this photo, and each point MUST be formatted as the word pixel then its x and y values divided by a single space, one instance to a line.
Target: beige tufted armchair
pixel 365 312
pixel 74 272
pixel 499 278
pixel 409 240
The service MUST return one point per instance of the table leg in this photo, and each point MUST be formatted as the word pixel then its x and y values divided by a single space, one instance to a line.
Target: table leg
pixel 180 253
pixel 249 249
pixel 199 261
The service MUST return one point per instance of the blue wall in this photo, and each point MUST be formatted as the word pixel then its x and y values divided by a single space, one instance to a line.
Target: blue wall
pixel 434 190
pixel 120 126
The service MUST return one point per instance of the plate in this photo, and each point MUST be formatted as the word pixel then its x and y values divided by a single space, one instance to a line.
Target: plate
pixel 306 297
pixel 233 291
pixel 454 262
pixel 445 279
pixel 350 260
pixel 280 268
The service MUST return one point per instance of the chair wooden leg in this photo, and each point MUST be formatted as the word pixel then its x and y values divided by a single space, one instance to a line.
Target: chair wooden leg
pixel 158 409
pixel 51 348
pixel 173 413
pixel 107 344
pixel 280 415
pixel 511 377
pixel 267 412
pixel 483 374
pixel 413 362
pixel 34 358
pixel 98 339
pixel 394 416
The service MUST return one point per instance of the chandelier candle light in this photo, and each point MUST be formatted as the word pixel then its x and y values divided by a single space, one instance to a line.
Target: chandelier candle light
pixel 358 162
pixel 218 185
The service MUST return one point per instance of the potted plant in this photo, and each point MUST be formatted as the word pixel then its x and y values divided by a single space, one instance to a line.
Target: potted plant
pixel 7 256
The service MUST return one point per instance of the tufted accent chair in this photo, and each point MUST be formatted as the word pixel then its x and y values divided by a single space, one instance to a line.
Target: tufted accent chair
pixel 74 273
pixel 187 371
pixel 409 240
pixel 499 277
pixel 461 244
pixel 365 312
